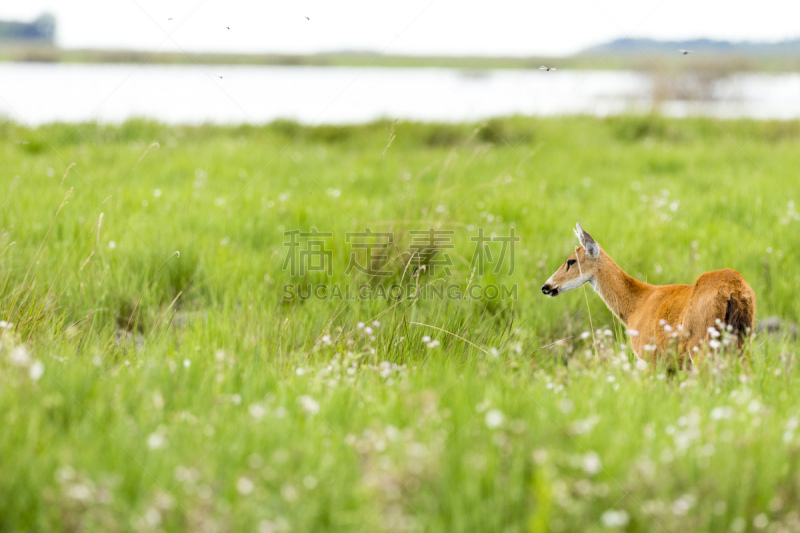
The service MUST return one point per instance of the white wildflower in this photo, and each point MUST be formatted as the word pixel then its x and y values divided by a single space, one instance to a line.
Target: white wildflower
pixel 156 440
pixel 244 485
pixel 722 413
pixel 80 492
pixel 584 425
pixel 65 474
pixel 289 493
pixel 682 505
pixel 19 356
pixel 308 404
pixel 257 411
pixel 592 463
pixel 754 406
pixel 540 456
pixel 36 370
pixel 494 418
pixel 268 526
pixel 433 344
pixel 613 518
pixel 761 521
pixel 566 406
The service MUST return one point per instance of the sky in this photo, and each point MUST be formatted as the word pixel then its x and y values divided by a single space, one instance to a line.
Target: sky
pixel 416 27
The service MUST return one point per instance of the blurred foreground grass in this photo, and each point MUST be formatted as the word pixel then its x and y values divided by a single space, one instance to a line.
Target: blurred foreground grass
pixel 147 390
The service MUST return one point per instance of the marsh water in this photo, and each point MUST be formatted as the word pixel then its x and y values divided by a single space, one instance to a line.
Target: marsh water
pixel 36 93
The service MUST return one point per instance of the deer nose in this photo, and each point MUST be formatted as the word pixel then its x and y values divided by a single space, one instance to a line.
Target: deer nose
pixel 547 290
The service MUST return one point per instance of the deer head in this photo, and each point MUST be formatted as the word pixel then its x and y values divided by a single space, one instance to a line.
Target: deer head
pixel 579 268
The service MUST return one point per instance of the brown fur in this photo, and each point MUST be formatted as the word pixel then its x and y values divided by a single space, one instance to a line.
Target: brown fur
pixel 721 294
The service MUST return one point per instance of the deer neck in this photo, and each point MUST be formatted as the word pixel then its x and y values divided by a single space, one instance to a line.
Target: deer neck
pixel 620 292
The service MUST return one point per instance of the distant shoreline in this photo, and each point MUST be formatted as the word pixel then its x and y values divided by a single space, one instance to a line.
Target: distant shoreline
pixel 647 61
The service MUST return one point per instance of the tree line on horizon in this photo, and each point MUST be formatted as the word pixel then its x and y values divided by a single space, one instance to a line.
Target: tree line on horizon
pixel 41 29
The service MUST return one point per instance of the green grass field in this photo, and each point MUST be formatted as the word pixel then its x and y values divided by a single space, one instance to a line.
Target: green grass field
pixel 146 390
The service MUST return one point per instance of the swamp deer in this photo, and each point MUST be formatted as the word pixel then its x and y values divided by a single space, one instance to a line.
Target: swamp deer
pixel 657 315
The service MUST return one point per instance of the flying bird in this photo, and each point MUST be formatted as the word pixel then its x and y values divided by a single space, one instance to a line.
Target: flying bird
pixel 227 27
pixel 547 69
pixel 308 18
pixel 685 52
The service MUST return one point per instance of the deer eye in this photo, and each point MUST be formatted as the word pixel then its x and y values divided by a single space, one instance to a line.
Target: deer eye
pixel 570 263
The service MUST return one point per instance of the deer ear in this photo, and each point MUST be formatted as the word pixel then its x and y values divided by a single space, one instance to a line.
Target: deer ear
pixel 589 244
pixel 579 233
pixel 592 249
